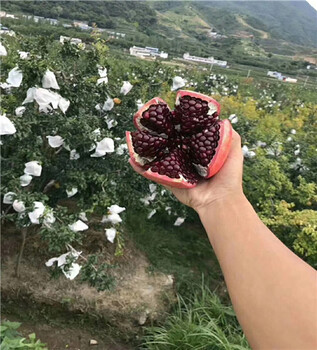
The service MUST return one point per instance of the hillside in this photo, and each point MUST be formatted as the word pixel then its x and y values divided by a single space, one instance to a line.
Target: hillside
pixel 292 21
pixel 270 34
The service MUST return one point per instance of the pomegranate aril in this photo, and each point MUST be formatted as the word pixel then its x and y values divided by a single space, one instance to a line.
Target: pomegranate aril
pixel 203 145
pixel 147 145
pixel 193 114
pixel 174 165
pixel 157 119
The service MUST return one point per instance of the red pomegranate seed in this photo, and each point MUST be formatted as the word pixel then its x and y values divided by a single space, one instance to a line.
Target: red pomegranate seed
pixel 157 119
pixel 147 145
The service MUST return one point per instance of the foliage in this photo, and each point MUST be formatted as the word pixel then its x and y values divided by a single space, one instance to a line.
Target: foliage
pixel 10 339
pixel 97 277
pixel 282 18
pixel 101 13
pixel 202 322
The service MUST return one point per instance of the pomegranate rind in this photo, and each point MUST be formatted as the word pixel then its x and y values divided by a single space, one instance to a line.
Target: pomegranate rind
pixel 182 93
pixel 161 179
pixel 222 150
pixel 138 115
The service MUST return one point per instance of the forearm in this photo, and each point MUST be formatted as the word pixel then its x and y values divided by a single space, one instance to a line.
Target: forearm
pixel 273 291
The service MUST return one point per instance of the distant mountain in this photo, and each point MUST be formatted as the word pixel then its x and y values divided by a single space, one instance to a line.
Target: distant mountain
pixel 292 21
pixel 248 32
pixel 103 13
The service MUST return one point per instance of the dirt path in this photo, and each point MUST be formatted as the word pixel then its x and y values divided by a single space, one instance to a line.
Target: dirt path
pixel 264 35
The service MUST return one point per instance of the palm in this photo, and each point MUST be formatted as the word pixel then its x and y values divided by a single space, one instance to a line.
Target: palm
pixel 226 182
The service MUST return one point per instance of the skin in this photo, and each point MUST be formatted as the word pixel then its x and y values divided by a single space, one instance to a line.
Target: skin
pixel 273 292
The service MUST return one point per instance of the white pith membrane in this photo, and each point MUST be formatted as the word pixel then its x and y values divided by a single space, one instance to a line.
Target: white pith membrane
pixel 201 170
pixel 212 108
pixel 180 179
pixel 142 160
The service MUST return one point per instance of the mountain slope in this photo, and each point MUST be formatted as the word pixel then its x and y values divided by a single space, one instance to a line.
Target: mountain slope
pixel 293 21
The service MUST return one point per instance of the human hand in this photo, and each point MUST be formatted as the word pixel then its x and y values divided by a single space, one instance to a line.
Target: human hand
pixel 225 184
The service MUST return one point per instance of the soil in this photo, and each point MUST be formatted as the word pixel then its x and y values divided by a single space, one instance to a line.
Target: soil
pixel 40 301
pixel 71 338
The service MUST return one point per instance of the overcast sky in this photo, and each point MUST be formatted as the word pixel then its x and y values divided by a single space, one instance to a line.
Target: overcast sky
pixel 313 3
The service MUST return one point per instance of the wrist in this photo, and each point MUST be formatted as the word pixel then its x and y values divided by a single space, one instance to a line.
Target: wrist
pixel 223 202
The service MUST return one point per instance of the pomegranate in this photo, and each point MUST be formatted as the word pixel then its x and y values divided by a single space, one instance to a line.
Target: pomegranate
pixel 180 147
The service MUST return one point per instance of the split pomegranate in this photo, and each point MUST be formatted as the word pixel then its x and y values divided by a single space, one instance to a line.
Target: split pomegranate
pixel 177 148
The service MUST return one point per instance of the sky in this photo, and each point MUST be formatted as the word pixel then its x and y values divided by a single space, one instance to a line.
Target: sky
pixel 313 3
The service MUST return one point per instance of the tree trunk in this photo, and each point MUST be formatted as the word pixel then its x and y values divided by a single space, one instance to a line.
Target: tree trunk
pixel 17 268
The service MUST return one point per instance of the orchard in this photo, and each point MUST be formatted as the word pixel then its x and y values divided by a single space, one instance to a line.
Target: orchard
pixel 64 113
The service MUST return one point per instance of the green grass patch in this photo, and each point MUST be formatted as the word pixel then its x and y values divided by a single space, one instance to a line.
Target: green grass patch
pixel 202 322
pixel 183 251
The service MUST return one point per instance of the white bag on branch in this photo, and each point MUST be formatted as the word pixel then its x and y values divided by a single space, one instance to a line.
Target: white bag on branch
pixel 49 80
pixel 6 126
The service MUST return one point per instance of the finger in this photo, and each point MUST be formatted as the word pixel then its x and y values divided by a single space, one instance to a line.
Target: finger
pixel 235 151
pixel 169 188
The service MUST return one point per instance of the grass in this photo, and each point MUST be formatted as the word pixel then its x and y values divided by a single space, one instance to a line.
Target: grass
pixel 199 323
pixel 183 251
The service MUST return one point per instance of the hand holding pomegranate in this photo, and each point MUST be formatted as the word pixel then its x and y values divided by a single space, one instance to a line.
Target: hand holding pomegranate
pixel 225 184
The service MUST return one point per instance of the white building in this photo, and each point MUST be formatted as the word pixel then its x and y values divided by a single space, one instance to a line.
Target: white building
pixel 209 60
pixel 139 51
pixel 37 19
pixel 52 21
pixel 290 80
pixel 113 35
pixel 276 75
pixel 74 41
pixel 164 55
pixel 6 31
pixel 8 15
pixel 81 25
pixel 147 52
